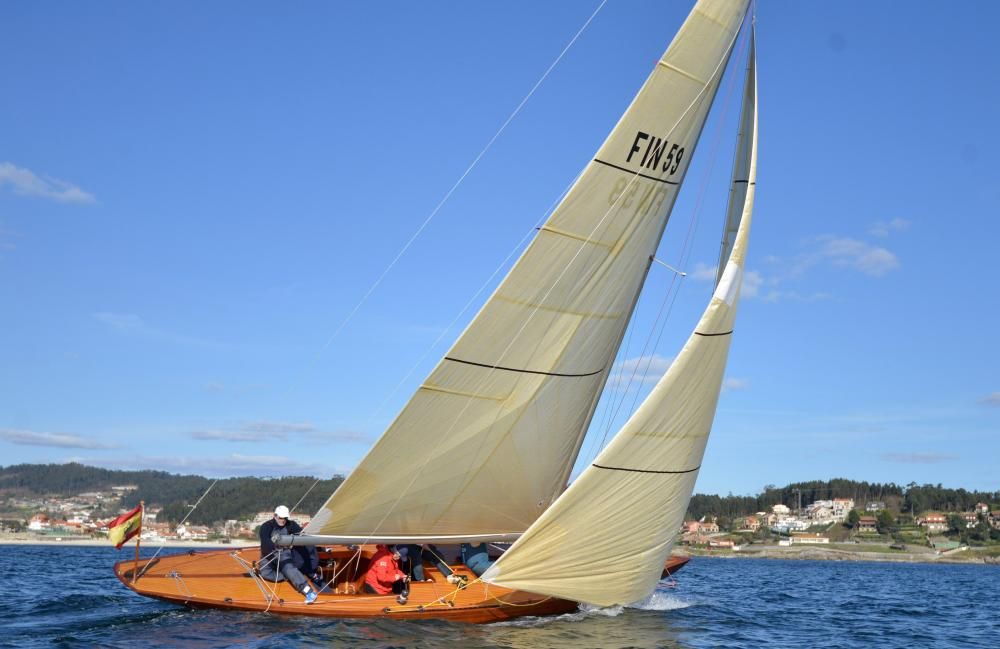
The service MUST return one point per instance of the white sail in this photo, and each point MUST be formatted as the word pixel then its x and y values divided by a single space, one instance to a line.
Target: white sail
pixel 488 440
pixel 605 540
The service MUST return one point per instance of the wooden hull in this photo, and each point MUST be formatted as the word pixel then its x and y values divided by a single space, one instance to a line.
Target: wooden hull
pixel 222 579
pixel 673 564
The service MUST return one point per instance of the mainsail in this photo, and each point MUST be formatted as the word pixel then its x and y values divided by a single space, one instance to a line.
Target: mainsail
pixel 487 442
pixel 604 541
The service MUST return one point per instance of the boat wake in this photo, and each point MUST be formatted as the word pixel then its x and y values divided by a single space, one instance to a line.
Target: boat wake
pixel 660 601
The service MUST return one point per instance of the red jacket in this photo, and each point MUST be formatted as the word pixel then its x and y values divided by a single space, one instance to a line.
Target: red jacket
pixel 383 572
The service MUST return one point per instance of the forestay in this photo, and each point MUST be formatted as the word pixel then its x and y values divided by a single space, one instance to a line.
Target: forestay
pixel 488 440
pixel 605 540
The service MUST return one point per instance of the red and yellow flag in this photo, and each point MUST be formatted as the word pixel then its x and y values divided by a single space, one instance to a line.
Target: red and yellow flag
pixel 125 527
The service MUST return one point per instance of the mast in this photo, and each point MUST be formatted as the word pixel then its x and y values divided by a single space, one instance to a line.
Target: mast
pixel 488 440
pixel 623 512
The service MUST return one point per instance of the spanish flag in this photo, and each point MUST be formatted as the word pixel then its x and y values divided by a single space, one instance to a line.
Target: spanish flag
pixel 125 527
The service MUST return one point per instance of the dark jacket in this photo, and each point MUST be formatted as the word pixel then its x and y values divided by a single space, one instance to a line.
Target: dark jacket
pixel 267 545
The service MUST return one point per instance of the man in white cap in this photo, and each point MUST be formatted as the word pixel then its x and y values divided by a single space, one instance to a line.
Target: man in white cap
pixel 278 563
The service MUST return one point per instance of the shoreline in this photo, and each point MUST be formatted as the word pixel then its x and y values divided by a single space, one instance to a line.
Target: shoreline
pixel 969 556
pixel 95 543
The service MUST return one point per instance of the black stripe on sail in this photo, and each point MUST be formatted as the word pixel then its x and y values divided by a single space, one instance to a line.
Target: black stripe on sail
pixel 723 333
pixel 618 468
pixel 514 369
pixel 636 173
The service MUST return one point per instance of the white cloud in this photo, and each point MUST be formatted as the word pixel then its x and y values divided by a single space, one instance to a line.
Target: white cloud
pixel 852 253
pixel 132 325
pixel 735 384
pixel 884 228
pixel 232 435
pixel 264 431
pixel 640 370
pixel 59 440
pixel 991 399
pixel 235 464
pixel 25 183
pixel 279 427
pixel 918 458
pixel 703 272
pixel 752 280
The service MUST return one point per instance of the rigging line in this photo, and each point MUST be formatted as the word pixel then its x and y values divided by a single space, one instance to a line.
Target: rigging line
pixel 475 296
pixel 685 249
pixel 720 71
pixel 696 214
pixel 719 68
pixel 193 507
pixel 305 494
pixel 454 187
pixel 489 374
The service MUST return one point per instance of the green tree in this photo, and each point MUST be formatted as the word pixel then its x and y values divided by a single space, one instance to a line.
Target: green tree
pixel 885 523
pixel 852 519
pixel 956 524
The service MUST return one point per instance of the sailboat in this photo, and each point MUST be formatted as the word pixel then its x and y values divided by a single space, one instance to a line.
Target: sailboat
pixel 484 449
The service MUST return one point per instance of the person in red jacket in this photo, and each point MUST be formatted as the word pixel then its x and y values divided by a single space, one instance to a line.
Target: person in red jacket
pixel 384 576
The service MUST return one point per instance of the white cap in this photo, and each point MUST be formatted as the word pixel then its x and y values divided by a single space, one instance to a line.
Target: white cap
pixel 281 511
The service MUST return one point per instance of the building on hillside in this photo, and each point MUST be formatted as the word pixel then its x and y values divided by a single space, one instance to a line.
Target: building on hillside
pixel 690 527
pixel 820 512
pixel 841 507
pixel 708 527
pixel 995 519
pixel 809 538
pixel 933 522
pixel 867 524
pixel 39 523
pixel 971 519
pixel 262 517
pixel 781 510
pixel 749 524
pixel 874 506
pixel 789 525
pixel 713 543
pixel 982 508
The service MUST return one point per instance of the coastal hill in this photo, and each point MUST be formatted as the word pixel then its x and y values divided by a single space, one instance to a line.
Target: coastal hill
pixel 230 498
pixel 241 498
pixel 911 498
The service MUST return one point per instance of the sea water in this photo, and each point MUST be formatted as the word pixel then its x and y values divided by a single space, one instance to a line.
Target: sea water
pixel 56 596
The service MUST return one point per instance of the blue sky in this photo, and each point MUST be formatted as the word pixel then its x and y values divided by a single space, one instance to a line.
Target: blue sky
pixel 193 199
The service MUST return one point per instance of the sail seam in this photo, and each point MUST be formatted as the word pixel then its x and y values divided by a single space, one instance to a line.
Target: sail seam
pixel 577 237
pixel 723 333
pixel 462 393
pixel 683 73
pixel 552 309
pixel 514 369
pixel 619 468
pixel 636 173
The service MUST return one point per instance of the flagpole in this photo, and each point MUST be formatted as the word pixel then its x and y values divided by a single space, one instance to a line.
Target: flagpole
pixel 138 535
